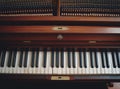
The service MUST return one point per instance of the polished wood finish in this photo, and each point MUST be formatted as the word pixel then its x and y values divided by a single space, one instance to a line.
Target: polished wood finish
pixel 59 18
pixel 70 29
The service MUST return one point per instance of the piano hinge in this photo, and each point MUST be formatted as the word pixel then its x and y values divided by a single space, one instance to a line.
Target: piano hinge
pixel 60 77
pixel 60 28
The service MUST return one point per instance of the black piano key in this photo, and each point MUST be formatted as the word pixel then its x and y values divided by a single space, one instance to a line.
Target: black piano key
pixel 14 58
pixel 102 59
pixel 80 58
pixel 37 58
pixel 96 58
pixel 33 56
pixel 113 59
pixel 45 58
pixel 57 58
pixel 84 56
pixel 118 58
pixel 91 58
pixel 3 58
pixel 26 58
pixel 52 58
pixel 106 58
pixel 9 59
pixel 73 58
pixel 62 58
pixel 21 58
pixel 69 59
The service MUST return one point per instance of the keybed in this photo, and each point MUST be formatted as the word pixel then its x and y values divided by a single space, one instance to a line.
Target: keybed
pixel 59 61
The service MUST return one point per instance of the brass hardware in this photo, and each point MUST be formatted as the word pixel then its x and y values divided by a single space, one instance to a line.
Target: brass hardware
pixel 60 28
pixel 92 42
pixel 27 41
pixel 59 37
pixel 60 78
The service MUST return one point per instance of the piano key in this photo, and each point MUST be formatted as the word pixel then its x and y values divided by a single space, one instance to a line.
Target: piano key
pixel 91 58
pixel 57 58
pixel 37 58
pixel 87 70
pixel 14 58
pixel 62 58
pixel 46 69
pixel 118 58
pixel 60 68
pixel 21 58
pixel 65 63
pixel 5 68
pixel 26 58
pixel 17 68
pixel 106 58
pixel 10 59
pixel 80 58
pixel 55 70
pixel 84 56
pixel 99 63
pixel 3 58
pixel 113 70
pixel 49 62
pixel 102 59
pixel 113 59
pixel 96 58
pixel 52 57
pixel 76 62
pixel 45 58
pixel 32 60
pixel 73 58
pixel 69 59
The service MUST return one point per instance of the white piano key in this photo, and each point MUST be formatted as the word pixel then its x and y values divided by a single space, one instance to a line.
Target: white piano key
pixel 71 69
pixel 99 63
pixel 41 62
pixel 29 60
pixel 83 71
pixel 59 69
pixel 7 58
pixel 117 69
pixel 66 60
pixel 76 63
pixel 91 70
pixel 64 69
pixel 112 71
pixel 3 69
pixel 49 62
pixel 79 69
pixel 55 70
pixel 88 63
pixel 17 68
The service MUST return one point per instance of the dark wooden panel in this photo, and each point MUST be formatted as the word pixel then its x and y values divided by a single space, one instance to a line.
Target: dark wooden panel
pixel 59 18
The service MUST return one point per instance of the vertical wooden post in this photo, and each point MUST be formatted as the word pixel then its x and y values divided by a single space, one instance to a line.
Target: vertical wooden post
pixel 58 8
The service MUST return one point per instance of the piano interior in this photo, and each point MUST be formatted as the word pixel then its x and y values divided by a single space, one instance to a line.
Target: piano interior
pixel 76 41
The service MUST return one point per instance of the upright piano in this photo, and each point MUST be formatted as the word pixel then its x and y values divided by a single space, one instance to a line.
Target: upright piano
pixel 60 40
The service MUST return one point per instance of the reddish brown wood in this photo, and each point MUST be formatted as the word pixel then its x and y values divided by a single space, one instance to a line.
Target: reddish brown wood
pixel 59 18
pixel 71 29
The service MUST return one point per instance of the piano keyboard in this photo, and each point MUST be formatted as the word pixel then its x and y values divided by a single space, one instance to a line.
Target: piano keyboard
pixel 60 61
